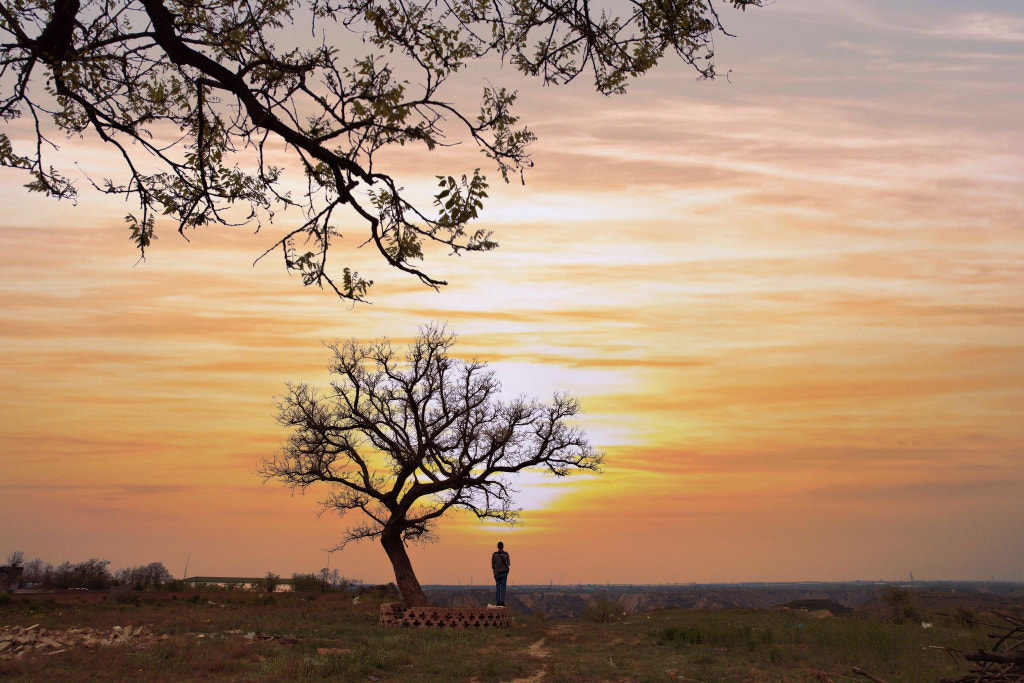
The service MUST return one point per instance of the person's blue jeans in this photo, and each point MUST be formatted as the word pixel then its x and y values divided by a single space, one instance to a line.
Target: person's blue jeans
pixel 499 588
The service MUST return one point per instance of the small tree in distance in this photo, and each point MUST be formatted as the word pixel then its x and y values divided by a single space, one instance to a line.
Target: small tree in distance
pixel 405 439
pixel 152 575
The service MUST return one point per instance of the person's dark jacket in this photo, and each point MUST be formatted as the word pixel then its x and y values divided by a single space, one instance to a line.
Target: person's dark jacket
pixel 500 563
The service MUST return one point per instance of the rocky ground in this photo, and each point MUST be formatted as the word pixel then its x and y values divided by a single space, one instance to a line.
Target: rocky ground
pixel 18 641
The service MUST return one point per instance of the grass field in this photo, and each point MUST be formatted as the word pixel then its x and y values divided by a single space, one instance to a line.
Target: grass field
pixel 207 638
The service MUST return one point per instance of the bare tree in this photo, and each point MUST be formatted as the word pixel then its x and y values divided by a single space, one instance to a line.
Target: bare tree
pixel 152 575
pixel 188 94
pixel 405 438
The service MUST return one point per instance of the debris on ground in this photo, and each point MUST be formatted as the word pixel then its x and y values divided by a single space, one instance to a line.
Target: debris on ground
pixel 253 636
pixel 18 641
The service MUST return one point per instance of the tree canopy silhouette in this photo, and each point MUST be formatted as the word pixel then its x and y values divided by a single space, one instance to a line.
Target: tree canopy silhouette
pixel 403 439
pixel 193 94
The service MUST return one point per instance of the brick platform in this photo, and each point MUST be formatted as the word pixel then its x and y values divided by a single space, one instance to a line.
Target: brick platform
pixel 397 614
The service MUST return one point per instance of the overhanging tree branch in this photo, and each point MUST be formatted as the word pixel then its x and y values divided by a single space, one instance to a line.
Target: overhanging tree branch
pixel 190 93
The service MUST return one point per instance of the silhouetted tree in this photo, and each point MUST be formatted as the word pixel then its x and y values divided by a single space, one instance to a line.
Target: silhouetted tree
pixel 190 93
pixel 152 575
pixel 92 573
pixel 404 439
pixel 37 572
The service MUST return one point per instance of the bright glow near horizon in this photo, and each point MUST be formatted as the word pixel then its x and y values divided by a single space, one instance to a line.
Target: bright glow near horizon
pixel 789 302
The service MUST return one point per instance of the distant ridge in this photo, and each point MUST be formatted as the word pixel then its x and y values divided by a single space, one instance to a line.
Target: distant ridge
pixel 571 601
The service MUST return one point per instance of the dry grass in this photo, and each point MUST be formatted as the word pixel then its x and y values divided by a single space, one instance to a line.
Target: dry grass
pixel 207 640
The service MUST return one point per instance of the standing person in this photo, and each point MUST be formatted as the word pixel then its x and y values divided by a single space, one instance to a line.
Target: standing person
pixel 500 564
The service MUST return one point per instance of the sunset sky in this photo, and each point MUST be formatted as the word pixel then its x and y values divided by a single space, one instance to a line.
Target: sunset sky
pixel 790 301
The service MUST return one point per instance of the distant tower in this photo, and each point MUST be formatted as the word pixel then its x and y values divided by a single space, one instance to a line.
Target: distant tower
pixel 911 576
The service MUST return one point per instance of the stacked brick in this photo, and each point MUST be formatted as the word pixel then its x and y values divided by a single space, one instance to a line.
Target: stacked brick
pixel 397 614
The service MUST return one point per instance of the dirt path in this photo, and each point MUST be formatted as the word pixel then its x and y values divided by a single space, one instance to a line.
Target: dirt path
pixel 537 651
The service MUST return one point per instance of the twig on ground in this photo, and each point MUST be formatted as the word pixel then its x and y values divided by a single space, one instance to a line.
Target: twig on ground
pixel 867 675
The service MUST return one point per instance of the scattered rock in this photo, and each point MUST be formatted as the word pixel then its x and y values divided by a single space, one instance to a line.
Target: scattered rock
pixel 17 641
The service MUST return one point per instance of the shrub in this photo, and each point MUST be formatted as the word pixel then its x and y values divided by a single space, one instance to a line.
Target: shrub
pixel 270 582
pixel 902 604
pixel 603 611
pixel 307 583
pixel 384 592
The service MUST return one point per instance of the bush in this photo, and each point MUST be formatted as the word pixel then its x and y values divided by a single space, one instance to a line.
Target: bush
pixel 307 583
pixel 270 582
pixel 902 604
pixel 604 611
pixel 383 592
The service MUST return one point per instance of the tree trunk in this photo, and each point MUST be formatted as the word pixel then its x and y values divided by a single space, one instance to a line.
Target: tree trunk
pixel 405 577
